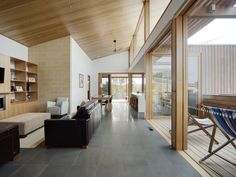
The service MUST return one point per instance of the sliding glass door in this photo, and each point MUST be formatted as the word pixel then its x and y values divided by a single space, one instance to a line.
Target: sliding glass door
pixel 105 85
pixel 119 86
pixel 193 85
pixel 161 86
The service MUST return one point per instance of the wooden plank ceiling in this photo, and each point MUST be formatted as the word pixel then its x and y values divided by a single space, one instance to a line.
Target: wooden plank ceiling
pixel 94 24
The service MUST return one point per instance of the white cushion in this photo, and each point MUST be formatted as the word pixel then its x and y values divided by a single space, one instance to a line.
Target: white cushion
pixel 28 122
pixel 205 121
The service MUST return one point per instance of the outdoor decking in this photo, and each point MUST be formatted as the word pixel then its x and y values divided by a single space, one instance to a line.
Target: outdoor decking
pixel 198 144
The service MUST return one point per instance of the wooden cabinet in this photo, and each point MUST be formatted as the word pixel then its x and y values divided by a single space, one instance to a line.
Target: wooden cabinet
pixel 134 102
pixel 137 102
pixel 17 73
pixel 23 80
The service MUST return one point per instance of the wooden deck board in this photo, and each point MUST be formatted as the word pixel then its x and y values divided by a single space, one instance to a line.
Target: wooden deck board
pixel 198 144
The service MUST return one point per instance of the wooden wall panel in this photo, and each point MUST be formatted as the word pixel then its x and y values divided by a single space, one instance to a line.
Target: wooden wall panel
pixel 218 64
pixel 53 60
pixel 93 24
pixel 223 101
pixel 13 109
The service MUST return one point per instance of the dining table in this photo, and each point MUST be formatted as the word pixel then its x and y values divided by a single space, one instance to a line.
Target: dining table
pixel 104 99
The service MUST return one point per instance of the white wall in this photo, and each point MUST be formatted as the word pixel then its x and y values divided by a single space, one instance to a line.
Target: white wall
pixel 12 48
pixel 139 67
pixel 112 63
pixel 79 63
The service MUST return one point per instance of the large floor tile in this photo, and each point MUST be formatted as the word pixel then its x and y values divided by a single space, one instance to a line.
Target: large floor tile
pixel 29 170
pixel 56 171
pixel 78 171
pixel 7 169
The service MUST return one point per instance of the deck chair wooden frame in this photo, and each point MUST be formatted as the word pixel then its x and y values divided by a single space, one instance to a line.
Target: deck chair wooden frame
pixel 227 131
pixel 193 120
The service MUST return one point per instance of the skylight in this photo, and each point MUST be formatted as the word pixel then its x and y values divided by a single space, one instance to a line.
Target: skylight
pixel 219 31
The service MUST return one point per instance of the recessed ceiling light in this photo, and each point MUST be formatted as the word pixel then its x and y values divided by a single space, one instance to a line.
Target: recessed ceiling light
pixel 234 5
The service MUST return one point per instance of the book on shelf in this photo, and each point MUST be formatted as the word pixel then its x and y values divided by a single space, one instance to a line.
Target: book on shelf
pixel 31 79
pixel 19 89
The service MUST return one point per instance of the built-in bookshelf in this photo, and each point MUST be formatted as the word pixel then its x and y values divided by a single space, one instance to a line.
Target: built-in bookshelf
pixel 24 86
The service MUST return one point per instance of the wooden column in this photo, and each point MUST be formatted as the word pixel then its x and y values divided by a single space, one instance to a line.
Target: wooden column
pixel 129 85
pixel 148 89
pixel 142 82
pixel 146 4
pixel 99 82
pixel 179 88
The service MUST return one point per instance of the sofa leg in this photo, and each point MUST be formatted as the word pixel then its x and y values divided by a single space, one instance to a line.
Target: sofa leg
pixel 49 146
pixel 15 157
pixel 84 146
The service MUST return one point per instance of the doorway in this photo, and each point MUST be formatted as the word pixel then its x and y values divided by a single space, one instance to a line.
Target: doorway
pixel 119 87
pixel 89 88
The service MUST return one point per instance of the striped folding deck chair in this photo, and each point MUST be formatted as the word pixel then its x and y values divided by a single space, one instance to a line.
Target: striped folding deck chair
pixel 226 122
pixel 203 124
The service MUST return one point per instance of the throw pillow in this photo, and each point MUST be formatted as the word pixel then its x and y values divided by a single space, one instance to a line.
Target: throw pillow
pixel 82 103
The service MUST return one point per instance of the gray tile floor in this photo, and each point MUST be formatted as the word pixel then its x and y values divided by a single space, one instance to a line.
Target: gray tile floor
pixel 123 146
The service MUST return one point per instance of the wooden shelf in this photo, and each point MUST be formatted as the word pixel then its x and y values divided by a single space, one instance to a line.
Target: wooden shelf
pixel 18 70
pixel 21 72
pixel 17 92
pixel 31 100
pixel 29 63
pixel 18 101
pixel 29 72
pixel 5 93
pixel 18 81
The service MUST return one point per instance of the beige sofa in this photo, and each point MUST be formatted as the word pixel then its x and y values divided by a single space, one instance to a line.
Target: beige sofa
pixel 28 122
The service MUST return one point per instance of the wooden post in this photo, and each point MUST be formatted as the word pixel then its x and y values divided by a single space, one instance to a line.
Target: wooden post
pixel 148 90
pixel 142 82
pixel 129 85
pixel 99 82
pixel 146 4
pixel 179 87
pixel 185 82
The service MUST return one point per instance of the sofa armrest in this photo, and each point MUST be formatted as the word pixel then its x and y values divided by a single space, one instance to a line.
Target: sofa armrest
pixel 65 132
pixel 64 107
pixel 51 103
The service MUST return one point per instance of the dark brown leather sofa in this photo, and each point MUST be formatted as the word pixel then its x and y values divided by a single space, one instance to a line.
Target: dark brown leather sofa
pixel 74 132
pixel 9 142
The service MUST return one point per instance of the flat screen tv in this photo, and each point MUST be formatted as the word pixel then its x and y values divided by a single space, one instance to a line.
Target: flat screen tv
pixel 2 71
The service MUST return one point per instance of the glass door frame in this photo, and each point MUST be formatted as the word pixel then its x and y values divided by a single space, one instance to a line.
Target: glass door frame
pixel 127 84
pixel 129 81
pixel 179 97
